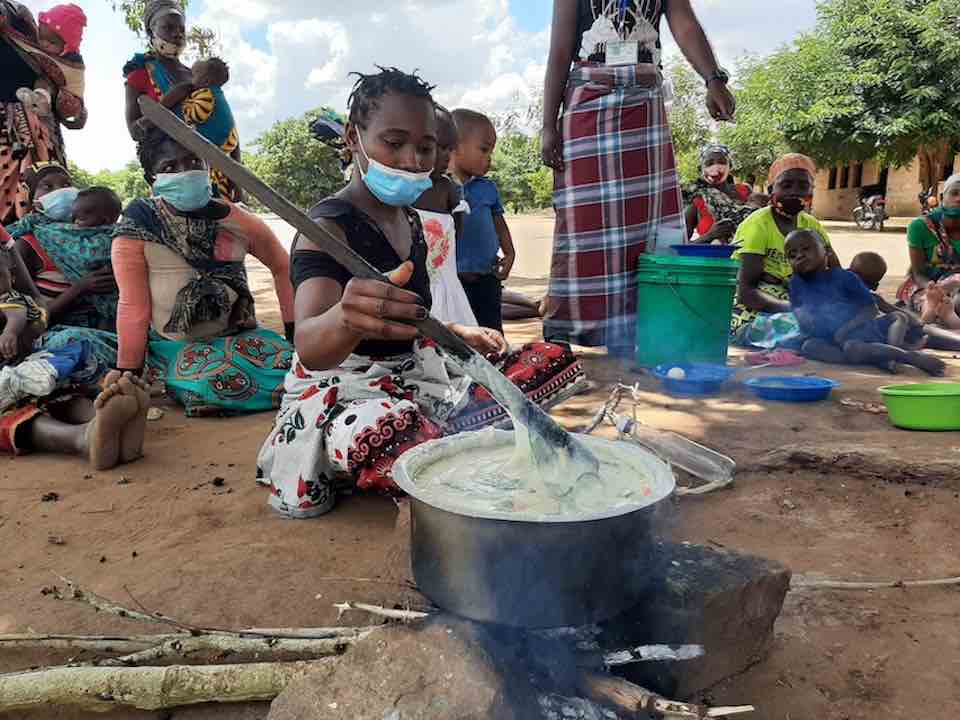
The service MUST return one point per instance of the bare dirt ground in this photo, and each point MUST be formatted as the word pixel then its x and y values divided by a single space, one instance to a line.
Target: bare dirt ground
pixel 827 490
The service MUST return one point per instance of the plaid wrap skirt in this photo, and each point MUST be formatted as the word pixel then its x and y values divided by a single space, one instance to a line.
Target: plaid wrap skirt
pixel 617 197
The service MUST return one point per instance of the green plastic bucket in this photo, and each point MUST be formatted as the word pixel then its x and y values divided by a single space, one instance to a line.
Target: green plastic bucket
pixel 684 306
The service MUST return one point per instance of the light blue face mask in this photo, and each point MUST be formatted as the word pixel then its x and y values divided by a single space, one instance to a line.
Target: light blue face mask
pixel 58 204
pixel 391 186
pixel 186 191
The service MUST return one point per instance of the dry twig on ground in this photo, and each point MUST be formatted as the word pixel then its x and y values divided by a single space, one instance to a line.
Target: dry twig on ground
pixel 802 583
pixel 379 611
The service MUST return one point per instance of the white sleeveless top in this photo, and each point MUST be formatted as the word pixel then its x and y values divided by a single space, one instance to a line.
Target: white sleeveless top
pixel 450 302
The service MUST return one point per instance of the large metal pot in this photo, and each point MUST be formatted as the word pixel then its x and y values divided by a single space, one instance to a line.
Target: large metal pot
pixel 491 568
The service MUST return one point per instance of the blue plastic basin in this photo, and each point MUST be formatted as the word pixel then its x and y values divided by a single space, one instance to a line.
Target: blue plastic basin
pixel 700 378
pixel 790 388
pixel 710 251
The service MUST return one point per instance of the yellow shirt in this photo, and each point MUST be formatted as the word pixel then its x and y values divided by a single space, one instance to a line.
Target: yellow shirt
pixel 759 235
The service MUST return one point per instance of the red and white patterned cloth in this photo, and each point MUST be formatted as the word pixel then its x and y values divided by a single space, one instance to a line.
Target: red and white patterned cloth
pixel 343 429
pixel 617 198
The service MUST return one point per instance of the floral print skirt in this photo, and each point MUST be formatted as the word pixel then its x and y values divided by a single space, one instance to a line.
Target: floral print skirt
pixel 342 430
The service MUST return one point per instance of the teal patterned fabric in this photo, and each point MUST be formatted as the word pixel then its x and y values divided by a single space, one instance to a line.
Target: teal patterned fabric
pixel 76 252
pixel 241 373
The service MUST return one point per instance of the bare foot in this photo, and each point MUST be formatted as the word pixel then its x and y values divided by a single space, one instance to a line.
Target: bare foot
pixel 933 300
pixel 114 411
pixel 131 439
pixel 928 363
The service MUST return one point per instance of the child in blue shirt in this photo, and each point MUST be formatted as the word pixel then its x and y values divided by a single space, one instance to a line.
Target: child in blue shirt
pixel 839 316
pixel 485 252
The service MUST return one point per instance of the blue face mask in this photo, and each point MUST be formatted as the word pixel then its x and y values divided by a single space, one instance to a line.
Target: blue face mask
pixel 391 186
pixel 58 204
pixel 186 191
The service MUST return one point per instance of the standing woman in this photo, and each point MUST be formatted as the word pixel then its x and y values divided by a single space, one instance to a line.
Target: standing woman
pixel 160 74
pixel 30 132
pixel 616 194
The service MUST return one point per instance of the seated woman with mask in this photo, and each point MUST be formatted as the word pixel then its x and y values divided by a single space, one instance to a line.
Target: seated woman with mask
pixel 185 302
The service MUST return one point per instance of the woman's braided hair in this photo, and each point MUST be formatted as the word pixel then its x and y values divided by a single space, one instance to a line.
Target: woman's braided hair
pixel 369 89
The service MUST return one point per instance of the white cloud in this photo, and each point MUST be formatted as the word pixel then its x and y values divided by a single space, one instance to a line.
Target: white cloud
pixel 473 50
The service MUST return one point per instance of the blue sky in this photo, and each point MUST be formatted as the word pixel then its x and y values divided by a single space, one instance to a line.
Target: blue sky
pixel 531 15
pixel 287 56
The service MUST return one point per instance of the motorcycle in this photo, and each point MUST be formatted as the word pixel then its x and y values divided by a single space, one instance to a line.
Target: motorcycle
pixel 928 200
pixel 871 212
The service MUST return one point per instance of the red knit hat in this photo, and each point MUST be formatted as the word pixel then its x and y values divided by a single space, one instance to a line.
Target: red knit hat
pixel 68 22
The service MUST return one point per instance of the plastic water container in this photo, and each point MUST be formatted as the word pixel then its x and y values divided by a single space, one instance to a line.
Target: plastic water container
pixel 684 307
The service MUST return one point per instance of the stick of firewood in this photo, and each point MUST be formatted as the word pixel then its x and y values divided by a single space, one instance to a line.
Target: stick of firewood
pixel 634 701
pixel 263 649
pixel 800 582
pixel 151 688
pixel 76 593
pixel 97 643
pixel 380 611
pixel 308 642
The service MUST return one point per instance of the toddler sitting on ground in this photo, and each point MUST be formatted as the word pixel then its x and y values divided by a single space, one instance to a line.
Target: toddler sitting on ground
pixel 96 206
pixel 839 317
pixel 22 319
pixel 871 268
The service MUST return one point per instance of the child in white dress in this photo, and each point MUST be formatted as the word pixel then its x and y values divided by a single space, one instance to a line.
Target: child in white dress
pixel 440 209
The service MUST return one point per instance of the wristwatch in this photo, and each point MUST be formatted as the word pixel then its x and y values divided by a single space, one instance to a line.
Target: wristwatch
pixel 719 74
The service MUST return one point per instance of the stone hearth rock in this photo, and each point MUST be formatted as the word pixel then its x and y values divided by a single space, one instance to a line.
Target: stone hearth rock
pixel 432 671
pixel 725 601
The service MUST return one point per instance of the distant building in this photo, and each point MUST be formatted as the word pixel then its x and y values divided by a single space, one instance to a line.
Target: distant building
pixel 837 189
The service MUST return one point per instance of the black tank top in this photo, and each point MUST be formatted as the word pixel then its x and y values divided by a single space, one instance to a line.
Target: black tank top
pixel 367 239
pixel 590 10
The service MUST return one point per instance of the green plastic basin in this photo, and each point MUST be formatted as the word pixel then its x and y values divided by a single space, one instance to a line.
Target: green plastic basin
pixel 923 406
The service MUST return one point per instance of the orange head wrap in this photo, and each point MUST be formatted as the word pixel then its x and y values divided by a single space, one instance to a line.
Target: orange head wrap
pixel 791 161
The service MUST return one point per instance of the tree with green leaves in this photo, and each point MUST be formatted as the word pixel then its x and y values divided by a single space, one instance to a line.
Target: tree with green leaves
pixel 689 120
pixel 292 161
pixel 757 137
pixel 877 79
pixel 516 169
pixel 898 84
pixel 128 183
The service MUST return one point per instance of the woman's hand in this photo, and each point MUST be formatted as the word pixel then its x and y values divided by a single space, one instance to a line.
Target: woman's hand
pixel 720 101
pixel 9 346
pixel 551 147
pixel 504 266
pixel 721 230
pixel 484 340
pixel 99 282
pixel 369 308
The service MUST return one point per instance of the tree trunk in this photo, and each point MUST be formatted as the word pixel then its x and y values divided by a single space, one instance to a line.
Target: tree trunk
pixel 933 160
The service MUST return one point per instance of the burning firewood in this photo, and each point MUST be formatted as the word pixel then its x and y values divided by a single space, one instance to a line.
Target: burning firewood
pixel 114 683
pixel 632 701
